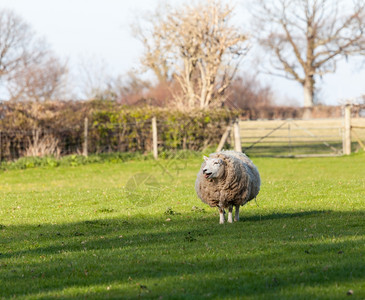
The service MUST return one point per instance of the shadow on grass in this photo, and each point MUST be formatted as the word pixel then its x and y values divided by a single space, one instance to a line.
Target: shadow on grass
pixel 188 257
pixel 275 216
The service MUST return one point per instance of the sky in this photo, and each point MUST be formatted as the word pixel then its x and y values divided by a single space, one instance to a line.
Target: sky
pixel 100 30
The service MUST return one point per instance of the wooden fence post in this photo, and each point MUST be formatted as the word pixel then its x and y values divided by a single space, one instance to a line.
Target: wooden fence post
pixel 346 144
pixel 224 138
pixel 289 139
pixel 237 137
pixel 154 138
pixel 86 132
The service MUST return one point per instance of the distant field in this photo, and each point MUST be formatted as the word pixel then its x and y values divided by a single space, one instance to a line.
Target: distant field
pixel 295 137
pixel 136 230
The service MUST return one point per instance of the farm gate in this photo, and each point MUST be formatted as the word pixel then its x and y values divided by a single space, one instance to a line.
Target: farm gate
pixel 300 138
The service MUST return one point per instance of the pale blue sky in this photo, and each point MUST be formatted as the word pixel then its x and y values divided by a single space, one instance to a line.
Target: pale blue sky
pixel 101 29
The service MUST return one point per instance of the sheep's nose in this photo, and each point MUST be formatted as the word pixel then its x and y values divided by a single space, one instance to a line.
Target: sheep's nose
pixel 204 171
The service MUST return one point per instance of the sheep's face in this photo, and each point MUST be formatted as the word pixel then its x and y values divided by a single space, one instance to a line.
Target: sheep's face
pixel 214 168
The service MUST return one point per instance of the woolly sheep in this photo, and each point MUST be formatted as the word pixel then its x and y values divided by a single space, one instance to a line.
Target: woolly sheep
pixel 227 179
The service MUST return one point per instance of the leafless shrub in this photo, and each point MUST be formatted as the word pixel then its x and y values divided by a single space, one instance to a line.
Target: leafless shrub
pixel 47 145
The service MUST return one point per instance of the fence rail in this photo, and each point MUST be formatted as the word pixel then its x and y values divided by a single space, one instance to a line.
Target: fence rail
pixel 299 138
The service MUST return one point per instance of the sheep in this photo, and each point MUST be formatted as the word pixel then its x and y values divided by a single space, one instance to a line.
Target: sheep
pixel 227 179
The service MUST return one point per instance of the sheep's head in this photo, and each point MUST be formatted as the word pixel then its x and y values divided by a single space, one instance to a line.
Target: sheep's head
pixel 214 167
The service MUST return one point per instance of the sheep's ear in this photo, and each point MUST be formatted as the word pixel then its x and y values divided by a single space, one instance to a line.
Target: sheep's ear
pixel 205 158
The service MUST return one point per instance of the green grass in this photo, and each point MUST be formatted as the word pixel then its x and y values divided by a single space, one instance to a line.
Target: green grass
pixel 136 229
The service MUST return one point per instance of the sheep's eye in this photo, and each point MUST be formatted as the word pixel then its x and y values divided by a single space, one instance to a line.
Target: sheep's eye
pixel 216 163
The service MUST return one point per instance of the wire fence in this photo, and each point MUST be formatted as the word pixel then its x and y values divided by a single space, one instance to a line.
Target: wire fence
pixel 93 138
pixel 131 133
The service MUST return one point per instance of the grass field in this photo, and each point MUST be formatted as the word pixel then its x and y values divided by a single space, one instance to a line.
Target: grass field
pixel 137 230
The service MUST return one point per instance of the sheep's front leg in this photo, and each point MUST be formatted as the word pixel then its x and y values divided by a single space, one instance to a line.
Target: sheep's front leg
pixel 221 215
pixel 237 213
pixel 230 209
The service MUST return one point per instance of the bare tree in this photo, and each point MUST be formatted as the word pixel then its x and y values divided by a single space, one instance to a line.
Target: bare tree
pixel 248 92
pixel 306 38
pixel 197 46
pixel 40 81
pixel 129 88
pixel 18 45
pixel 98 82
pixel 156 49
pixel 94 75
pixel 28 69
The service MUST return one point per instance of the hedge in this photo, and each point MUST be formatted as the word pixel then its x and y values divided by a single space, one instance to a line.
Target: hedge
pixel 112 127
